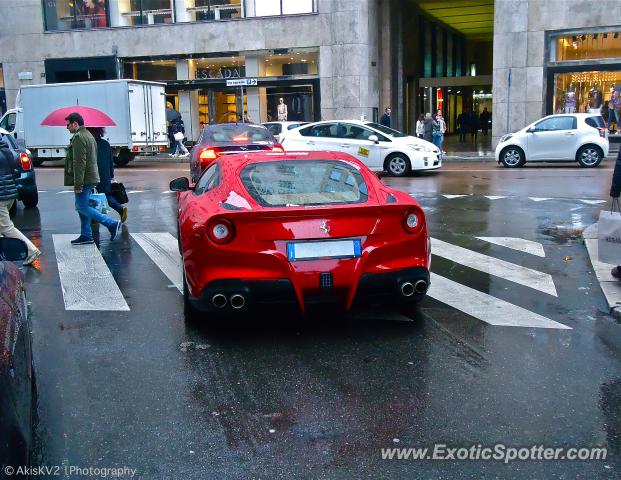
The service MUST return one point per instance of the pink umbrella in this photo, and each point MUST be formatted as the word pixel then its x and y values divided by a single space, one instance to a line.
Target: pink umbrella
pixel 92 117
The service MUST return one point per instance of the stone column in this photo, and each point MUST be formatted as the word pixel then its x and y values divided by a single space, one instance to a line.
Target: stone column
pixel 188 100
pixel 116 7
pixel 256 98
pixel 181 14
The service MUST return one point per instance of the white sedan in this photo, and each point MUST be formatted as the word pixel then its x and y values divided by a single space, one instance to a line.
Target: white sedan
pixel 578 137
pixel 378 147
pixel 277 128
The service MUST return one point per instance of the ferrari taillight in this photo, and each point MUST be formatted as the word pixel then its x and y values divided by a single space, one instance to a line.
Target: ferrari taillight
pixel 413 220
pixel 220 231
pixel 207 154
pixel 25 159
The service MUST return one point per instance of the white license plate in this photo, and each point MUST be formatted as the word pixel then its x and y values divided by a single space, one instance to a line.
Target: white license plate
pixel 323 249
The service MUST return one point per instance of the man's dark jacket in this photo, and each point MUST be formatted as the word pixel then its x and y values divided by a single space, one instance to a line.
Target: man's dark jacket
pixel 615 188
pixel 8 166
pixel 385 120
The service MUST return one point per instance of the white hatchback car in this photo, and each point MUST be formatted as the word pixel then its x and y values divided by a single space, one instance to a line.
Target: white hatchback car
pixel 578 137
pixel 378 147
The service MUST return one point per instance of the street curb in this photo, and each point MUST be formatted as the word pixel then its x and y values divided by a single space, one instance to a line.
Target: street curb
pixel 611 287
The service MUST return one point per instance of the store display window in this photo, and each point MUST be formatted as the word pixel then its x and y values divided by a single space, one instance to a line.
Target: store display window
pixel 290 104
pixel 301 62
pixel 591 92
pixel 587 46
pixel 146 12
pixel 201 10
pixel 75 14
pixel 264 8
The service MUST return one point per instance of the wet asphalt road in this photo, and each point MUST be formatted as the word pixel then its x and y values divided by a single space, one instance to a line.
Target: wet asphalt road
pixel 284 397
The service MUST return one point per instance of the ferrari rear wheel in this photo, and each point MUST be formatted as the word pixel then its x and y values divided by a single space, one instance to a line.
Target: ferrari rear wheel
pixel 190 313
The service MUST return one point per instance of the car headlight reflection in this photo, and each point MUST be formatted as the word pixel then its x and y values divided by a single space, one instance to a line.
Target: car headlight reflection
pixel 420 148
pixel 504 138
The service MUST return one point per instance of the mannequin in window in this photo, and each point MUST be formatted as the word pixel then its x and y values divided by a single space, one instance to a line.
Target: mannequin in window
pixel 595 98
pixel 570 99
pixel 282 110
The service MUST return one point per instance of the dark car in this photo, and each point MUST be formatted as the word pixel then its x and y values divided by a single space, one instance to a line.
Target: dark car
pixel 26 179
pixel 17 383
pixel 225 138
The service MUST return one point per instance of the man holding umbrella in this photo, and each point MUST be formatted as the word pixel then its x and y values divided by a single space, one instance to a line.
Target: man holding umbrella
pixel 82 174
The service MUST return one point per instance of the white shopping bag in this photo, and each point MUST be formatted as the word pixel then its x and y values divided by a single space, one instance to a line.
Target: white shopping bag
pixel 609 237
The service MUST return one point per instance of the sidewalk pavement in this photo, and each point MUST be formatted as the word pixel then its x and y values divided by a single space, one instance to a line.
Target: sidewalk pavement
pixel 611 287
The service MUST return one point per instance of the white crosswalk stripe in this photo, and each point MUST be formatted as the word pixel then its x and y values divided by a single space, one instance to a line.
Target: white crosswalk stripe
pixel 520 244
pixel 85 279
pixel 485 307
pixel 162 249
pixel 493 266
pixel 495 197
pixel 87 283
pixel 539 199
pixel 453 196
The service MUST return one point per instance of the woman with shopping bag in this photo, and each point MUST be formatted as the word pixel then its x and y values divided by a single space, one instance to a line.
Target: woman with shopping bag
pixel 615 192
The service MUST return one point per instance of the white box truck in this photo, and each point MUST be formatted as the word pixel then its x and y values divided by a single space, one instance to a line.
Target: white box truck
pixel 138 108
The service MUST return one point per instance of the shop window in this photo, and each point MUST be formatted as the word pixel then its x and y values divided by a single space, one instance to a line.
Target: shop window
pixel 264 8
pixel 586 92
pixel 75 14
pixel 145 12
pixel 588 46
pixel 201 10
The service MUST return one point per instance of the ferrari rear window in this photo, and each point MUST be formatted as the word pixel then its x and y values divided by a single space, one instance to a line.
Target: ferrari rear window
pixel 304 183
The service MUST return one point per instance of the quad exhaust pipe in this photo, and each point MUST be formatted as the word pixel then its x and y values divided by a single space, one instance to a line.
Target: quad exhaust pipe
pixel 408 288
pixel 237 301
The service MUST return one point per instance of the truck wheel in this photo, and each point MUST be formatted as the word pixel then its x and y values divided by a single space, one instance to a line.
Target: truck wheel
pixel 125 156
pixel 37 162
pixel 30 198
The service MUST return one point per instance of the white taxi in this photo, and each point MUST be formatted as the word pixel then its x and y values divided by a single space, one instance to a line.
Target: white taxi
pixel 378 147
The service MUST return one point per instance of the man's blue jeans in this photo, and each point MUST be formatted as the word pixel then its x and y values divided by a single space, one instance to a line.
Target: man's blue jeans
pixel 88 213
pixel 438 138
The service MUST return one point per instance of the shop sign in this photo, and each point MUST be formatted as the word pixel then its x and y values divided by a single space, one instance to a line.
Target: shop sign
pixel 242 82
pixel 223 72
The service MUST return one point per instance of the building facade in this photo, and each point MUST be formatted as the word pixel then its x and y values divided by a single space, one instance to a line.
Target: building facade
pixel 319 56
pixel 554 56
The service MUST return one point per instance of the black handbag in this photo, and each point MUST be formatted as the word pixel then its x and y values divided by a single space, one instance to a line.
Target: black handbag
pixel 119 193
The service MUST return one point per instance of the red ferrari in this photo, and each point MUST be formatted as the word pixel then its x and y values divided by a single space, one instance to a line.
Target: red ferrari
pixel 301 228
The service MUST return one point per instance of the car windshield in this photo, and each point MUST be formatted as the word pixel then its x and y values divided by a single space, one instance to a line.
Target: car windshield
pixel 236 133
pixel 386 130
pixel 304 183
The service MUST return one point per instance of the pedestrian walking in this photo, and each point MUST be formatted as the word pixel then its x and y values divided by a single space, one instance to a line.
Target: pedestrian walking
pixel 386 120
pixel 172 116
pixel 463 125
pixel 428 128
pixel 179 134
pixel 81 173
pixel 605 111
pixel 105 168
pixel 438 129
pixel 474 126
pixel 8 195
pixel 420 126
pixel 615 192
pixel 484 120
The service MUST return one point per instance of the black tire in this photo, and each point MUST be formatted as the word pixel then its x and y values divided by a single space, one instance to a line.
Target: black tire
pixel 191 314
pixel 30 198
pixel 37 162
pixel 512 157
pixel 589 156
pixel 125 156
pixel 13 210
pixel 398 165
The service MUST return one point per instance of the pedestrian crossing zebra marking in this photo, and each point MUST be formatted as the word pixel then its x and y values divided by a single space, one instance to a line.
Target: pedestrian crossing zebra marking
pixel 485 307
pixel 163 250
pixel 494 266
pixel 519 244
pixel 593 202
pixel 495 197
pixel 450 197
pixel 539 199
pixel 85 279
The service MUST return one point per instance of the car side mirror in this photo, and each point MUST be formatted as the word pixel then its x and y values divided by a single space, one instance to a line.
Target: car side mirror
pixel 181 184
pixel 373 138
pixel 531 130
pixel 12 249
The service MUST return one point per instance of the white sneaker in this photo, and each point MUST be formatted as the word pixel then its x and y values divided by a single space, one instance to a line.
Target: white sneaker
pixel 185 155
